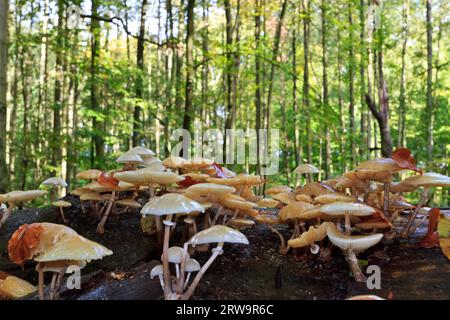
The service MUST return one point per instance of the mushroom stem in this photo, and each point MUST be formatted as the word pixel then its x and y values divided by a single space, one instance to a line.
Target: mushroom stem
pixel 177 270
pixel 101 225
pixel 354 267
pixel 40 268
pixel 180 284
pixel 59 282
pixel 166 271
pixel 161 281
pixel 52 286
pixel 408 228
pixel 348 226
pixel 386 198
pixel 283 248
pixel 190 291
pixel 159 230
pixel 151 189
pixel 6 214
pixel 187 280
pixel 61 211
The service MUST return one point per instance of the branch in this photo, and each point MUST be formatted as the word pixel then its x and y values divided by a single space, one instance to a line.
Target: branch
pixel 373 107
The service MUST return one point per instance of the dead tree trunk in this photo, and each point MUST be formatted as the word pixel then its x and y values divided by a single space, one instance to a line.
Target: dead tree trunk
pixel 189 93
pixel 3 90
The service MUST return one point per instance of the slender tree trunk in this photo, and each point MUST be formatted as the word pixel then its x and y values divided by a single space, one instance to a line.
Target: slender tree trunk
pixel 297 151
pixel 429 105
pixel 189 95
pixel 305 99
pixel 362 78
pixel 325 102
pixel 3 90
pixel 137 124
pixel 351 90
pixel 402 99
pixel 258 82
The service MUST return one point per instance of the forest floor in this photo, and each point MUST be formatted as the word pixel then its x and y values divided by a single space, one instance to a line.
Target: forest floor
pixel 256 271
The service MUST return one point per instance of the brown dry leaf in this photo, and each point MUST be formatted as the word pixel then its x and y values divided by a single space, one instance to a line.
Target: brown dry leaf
pixel 444 235
pixel 23 240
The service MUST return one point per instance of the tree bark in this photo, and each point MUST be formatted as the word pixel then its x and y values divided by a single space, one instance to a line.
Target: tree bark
pixel 305 98
pixel 325 102
pixel 429 105
pixel 189 93
pixel 401 141
pixel 4 8
pixel 351 90
pixel 258 82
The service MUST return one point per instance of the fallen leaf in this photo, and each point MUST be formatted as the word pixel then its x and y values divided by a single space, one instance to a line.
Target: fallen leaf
pixel 444 235
pixel 187 182
pixel 23 240
pixel 404 159
pixel 108 180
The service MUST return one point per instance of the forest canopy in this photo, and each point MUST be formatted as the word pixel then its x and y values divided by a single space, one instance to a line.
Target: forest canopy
pixel 343 81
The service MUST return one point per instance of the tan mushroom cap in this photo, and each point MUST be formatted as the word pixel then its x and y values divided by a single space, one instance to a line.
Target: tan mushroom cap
pixel 278 189
pixel 269 219
pixel 74 248
pixel 173 162
pixel 141 151
pixel 352 208
pixel 146 176
pixel 21 196
pixel 303 198
pixel 351 182
pixel 352 243
pixel 241 223
pixel 61 204
pixel 128 203
pixel 201 177
pixel 210 188
pixel 97 187
pixel 309 237
pixel 284 197
pixel 80 191
pixel 218 234
pixel 333 197
pixel 306 168
pixel 129 158
pixel 366 174
pixel 56 266
pixel 233 201
pixel 297 210
pixel 91 196
pixel 429 179
pixel 383 164
pixel 91 174
pixel 196 163
pixel 314 189
pixel 171 203
pixel 267 203
pixel 15 288
pixel 54 181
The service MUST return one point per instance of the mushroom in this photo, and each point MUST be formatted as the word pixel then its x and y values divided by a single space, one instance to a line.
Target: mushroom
pixel 333 197
pixel 310 237
pixel 168 205
pixel 130 160
pixel 207 191
pixel 55 247
pixel 14 197
pixel 307 169
pixel 426 181
pixel 141 151
pixel 174 255
pixel 91 174
pixel 192 265
pixel 153 164
pixel 173 162
pixel 216 234
pixel 109 181
pixel 14 288
pixel 284 197
pixel 278 189
pixel 351 246
pixel 267 203
pixel 158 271
pixel 54 183
pixel 195 163
pixel 240 223
pixel 62 204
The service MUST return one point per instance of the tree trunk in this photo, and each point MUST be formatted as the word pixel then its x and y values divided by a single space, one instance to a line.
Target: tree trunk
pixel 189 93
pixel 305 98
pixel 258 82
pixel 429 106
pixel 351 91
pixel 325 103
pixel 3 90
pixel 401 141
pixel 137 125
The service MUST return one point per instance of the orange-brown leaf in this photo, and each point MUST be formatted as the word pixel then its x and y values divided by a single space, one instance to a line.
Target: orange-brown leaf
pixel 108 180
pixel 23 240
pixel 404 159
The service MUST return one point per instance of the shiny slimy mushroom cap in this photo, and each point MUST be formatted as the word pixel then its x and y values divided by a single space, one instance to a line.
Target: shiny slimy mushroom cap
pixel 196 163
pixel 192 265
pixel 171 203
pixel 383 164
pixel 129 157
pixel 21 196
pixel 91 196
pixel 429 179
pixel 306 168
pixel 14 288
pixel 218 234
pixel 54 181
pixel 91 174
pixel 352 243
pixel 141 151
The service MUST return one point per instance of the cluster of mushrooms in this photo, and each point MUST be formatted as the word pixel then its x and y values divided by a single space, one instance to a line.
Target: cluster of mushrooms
pixel 210 205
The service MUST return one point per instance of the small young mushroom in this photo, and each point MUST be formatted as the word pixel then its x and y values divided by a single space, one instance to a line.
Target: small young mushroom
pixel 109 181
pixel 54 183
pixel 158 271
pixel 192 265
pixel 351 246
pixel 174 255
pixel 168 205
pixel 14 197
pixel 62 204
pixel 310 237
pixel 14 288
pixel 55 247
pixel 130 160
pixel 307 169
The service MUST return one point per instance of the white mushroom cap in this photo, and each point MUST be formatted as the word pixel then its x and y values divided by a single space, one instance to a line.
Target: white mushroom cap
pixel 157 271
pixel 130 158
pixel 340 208
pixel 218 233
pixel 91 196
pixel 61 204
pixel 306 168
pixel 429 179
pixel 146 175
pixel 129 203
pixel 171 203
pixel 141 151
pixel 175 254
pixel 173 162
pixel 192 265
pixel 20 196
pixel 352 243
pixel 54 181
